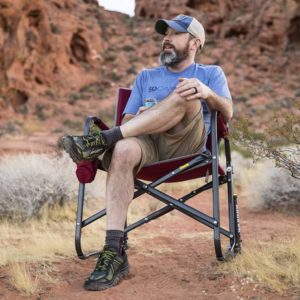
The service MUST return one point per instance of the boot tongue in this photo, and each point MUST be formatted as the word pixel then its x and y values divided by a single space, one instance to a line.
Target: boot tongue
pixel 94 130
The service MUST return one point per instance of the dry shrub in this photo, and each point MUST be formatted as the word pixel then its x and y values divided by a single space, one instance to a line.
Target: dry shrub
pixel 21 279
pixel 279 140
pixel 266 186
pixel 242 166
pixel 275 266
pixel 273 188
pixel 28 182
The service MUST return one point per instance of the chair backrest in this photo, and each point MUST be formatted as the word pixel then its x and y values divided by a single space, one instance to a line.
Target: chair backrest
pixel 123 95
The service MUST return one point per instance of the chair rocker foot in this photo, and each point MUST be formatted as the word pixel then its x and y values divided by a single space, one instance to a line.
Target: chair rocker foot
pixel 231 253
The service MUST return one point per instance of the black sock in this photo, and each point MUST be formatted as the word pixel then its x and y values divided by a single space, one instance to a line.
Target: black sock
pixel 114 239
pixel 112 135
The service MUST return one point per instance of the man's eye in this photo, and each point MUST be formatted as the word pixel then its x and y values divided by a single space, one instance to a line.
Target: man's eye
pixel 178 33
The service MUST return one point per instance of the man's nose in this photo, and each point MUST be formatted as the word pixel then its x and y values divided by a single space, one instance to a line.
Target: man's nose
pixel 167 38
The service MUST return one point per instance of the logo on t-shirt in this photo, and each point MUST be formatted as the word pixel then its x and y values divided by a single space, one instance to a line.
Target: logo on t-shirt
pixel 152 89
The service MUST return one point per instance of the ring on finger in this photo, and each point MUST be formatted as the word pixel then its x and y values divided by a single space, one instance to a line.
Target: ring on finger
pixel 195 90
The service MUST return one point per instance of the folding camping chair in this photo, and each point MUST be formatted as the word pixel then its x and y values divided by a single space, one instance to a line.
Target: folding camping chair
pixel 174 170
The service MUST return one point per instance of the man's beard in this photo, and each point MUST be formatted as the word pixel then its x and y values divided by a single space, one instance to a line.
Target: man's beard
pixel 174 57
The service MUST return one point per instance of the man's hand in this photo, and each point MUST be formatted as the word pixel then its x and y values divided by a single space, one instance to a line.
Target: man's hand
pixel 142 109
pixel 187 89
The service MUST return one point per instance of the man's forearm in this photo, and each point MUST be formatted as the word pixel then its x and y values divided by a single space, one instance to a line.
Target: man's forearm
pixel 127 118
pixel 221 104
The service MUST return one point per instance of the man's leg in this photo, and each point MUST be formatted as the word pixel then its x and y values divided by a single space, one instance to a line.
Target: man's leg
pixel 174 113
pixel 112 263
pixel 120 182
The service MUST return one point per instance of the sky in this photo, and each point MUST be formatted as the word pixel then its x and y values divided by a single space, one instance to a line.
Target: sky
pixel 124 6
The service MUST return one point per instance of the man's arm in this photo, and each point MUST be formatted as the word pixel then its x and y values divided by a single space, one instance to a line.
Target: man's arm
pixel 221 104
pixel 215 102
pixel 127 118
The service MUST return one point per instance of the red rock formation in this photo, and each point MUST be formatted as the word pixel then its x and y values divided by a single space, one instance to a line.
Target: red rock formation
pixel 44 44
pixel 58 53
pixel 267 22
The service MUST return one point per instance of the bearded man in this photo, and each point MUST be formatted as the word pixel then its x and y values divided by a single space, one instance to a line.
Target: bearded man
pixel 177 125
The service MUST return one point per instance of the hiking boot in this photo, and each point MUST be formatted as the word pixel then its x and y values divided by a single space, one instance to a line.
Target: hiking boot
pixel 110 269
pixel 87 147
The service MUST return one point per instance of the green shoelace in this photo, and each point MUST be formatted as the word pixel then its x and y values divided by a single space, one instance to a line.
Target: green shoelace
pixel 94 130
pixel 104 260
pixel 93 140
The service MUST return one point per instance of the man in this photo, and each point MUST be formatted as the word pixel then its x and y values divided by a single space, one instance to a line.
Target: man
pixel 178 125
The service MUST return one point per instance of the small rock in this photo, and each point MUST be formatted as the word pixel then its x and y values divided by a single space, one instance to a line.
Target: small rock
pixel 297 94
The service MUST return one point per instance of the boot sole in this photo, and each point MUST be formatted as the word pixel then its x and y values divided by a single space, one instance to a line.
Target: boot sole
pixel 96 286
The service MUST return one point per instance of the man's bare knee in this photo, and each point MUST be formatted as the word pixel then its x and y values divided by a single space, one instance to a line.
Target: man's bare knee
pixel 181 103
pixel 126 153
pixel 190 108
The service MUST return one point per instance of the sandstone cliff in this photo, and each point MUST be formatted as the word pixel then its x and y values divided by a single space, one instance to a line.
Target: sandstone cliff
pixel 63 59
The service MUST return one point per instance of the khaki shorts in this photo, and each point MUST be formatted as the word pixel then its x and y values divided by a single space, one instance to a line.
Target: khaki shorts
pixel 162 146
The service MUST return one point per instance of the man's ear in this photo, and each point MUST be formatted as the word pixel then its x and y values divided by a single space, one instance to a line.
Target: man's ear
pixel 198 43
pixel 195 44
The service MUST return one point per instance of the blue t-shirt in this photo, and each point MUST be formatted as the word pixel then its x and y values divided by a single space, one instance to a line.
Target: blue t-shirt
pixel 159 82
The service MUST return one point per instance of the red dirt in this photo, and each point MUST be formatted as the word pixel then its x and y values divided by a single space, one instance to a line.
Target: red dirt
pixel 174 259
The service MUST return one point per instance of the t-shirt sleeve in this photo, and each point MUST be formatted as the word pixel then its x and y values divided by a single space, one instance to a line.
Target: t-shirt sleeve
pixel 218 83
pixel 135 100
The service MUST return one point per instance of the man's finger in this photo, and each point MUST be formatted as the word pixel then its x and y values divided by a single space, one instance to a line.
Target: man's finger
pixel 182 83
pixel 182 78
pixel 187 92
pixel 186 87
pixel 194 97
pixel 142 109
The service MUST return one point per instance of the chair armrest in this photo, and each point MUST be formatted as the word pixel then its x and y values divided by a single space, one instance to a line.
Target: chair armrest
pixel 92 119
pixel 86 170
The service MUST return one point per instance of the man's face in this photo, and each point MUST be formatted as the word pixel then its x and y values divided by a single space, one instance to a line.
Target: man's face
pixel 175 48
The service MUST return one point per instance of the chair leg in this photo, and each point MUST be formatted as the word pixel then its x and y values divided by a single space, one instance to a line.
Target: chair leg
pixel 125 239
pixel 233 212
pixel 231 207
pixel 80 225
pixel 79 215
pixel 215 191
pixel 216 213
pixel 237 229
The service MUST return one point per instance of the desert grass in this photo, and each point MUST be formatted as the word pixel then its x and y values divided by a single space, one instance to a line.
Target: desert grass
pixel 29 250
pixel 21 279
pixel 43 240
pixel 275 266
